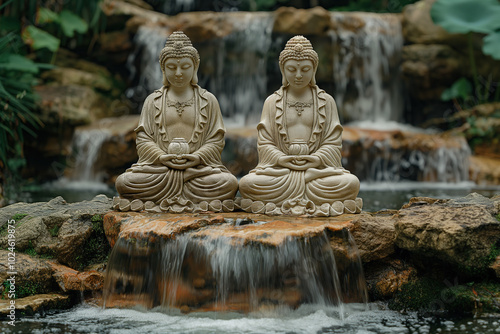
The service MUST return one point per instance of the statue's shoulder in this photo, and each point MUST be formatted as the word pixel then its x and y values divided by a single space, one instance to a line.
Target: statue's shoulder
pixel 205 94
pixel 274 97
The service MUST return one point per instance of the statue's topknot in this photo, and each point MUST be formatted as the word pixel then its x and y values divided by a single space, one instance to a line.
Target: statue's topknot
pixel 298 48
pixel 178 45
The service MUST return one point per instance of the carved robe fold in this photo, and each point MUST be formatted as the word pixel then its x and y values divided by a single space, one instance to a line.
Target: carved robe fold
pixel 327 183
pixel 149 180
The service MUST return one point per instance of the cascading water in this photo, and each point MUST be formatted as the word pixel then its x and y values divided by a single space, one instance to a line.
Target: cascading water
pixel 232 67
pixel 196 272
pixel 86 147
pixel 368 87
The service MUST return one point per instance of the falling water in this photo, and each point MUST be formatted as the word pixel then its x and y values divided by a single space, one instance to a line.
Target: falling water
pixel 86 147
pixel 239 79
pixel 232 67
pixel 385 161
pixel 218 273
pixel 366 67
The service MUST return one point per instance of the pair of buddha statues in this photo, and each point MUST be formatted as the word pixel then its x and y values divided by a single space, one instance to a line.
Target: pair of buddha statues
pixel 180 138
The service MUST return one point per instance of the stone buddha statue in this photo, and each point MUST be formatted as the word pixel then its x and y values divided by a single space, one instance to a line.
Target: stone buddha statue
pixel 299 144
pixel 180 138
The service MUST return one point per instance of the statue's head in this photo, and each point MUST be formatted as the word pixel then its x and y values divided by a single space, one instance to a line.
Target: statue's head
pixel 298 48
pixel 179 47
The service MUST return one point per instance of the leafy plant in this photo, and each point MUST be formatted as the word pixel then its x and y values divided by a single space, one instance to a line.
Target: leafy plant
pixel 471 16
pixel 17 102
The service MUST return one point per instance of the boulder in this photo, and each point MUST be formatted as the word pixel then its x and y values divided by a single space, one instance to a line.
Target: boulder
pixel 385 278
pixel 32 275
pixel 289 20
pixel 71 76
pixel 374 236
pixel 56 228
pixel 461 232
pixel 418 27
pixel 72 280
pixel 40 303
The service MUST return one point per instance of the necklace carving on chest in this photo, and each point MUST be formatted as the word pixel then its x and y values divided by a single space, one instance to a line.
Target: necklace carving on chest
pixel 180 106
pixel 299 105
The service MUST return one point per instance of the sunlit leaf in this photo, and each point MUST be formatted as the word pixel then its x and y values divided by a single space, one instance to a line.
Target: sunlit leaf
pixel 491 45
pixel 45 15
pixel 15 62
pixel 464 16
pixel 461 88
pixel 71 23
pixel 39 39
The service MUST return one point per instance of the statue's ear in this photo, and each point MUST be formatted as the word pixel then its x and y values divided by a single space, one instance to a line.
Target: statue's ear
pixel 194 80
pixel 284 82
pixel 313 79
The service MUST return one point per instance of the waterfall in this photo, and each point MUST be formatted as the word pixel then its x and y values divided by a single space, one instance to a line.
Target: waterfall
pixel 86 147
pixel 233 67
pixel 239 79
pixel 197 272
pixel 366 67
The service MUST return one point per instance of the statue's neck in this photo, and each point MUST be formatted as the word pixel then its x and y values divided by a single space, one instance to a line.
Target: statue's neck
pixel 180 93
pixel 299 94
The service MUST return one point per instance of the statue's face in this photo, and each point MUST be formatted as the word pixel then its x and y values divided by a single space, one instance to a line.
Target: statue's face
pixel 179 71
pixel 298 73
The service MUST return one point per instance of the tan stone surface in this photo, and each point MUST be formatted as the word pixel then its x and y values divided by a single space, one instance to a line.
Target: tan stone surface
pixel 386 278
pixel 484 170
pixel 33 304
pixel 314 21
pixel 456 232
pixel 72 280
pixel 374 236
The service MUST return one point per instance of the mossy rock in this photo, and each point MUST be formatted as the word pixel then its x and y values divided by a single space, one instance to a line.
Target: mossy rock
pixel 430 296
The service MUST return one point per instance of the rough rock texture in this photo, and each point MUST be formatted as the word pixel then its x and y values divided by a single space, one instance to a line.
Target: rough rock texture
pixel 71 280
pixel 32 276
pixel 419 28
pixel 315 21
pixel 153 227
pixel 55 228
pixel 38 303
pixel 460 232
pixel 385 278
pixel 374 236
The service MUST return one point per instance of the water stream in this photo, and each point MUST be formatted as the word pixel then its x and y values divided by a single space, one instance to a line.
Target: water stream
pixel 219 273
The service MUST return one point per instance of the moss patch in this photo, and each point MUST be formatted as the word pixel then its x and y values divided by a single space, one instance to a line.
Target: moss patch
pixel 96 249
pixel 427 295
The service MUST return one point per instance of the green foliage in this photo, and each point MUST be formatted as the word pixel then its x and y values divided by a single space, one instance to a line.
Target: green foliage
pixel 465 16
pixel 461 89
pixel 491 45
pixel 16 101
pixel 31 250
pixel 96 248
pixel 468 16
pixel 18 216
pixel 54 231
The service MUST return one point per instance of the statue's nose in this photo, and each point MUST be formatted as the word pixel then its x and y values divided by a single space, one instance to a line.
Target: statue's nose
pixel 178 72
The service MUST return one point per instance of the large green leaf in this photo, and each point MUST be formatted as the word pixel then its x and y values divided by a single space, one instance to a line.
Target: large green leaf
pixel 491 45
pixel 39 39
pixel 461 88
pixel 15 62
pixel 464 16
pixel 45 15
pixel 71 23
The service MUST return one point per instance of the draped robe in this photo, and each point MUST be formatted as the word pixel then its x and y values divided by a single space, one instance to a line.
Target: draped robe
pixel 327 183
pixel 150 180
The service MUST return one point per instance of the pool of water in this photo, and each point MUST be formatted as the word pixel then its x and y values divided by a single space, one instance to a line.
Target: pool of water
pixel 308 319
